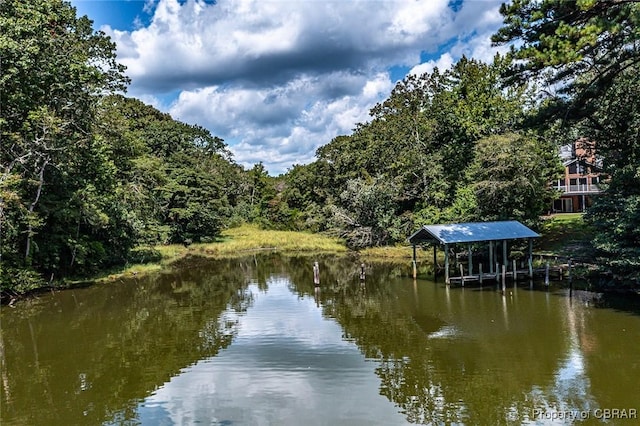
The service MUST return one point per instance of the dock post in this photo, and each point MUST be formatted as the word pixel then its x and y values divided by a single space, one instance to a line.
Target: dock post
pixel 515 271
pixel 462 275
pixel 530 258
pixel 470 260
pixel 446 264
pixel 505 260
pixel 504 278
pixel 415 266
pixel 570 280
pixel 435 262
pixel 362 272
pixel 480 267
pixel 546 274
pixel 491 257
pixel 316 273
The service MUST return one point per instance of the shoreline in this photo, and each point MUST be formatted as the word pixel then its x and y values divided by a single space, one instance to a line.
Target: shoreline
pixel 247 239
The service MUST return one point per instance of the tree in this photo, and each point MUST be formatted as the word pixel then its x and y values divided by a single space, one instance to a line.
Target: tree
pixel 510 178
pixel 420 142
pixel 615 215
pixel 54 68
pixel 368 217
pixel 589 50
pixel 579 46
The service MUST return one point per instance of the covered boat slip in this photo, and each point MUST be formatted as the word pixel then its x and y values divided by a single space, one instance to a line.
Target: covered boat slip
pixel 494 234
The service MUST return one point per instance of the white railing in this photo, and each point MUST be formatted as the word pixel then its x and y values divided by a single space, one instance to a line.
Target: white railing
pixel 591 188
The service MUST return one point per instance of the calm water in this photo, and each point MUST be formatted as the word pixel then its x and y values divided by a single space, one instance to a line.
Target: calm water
pixel 253 342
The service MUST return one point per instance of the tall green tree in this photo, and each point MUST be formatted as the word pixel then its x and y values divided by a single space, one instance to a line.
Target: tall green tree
pixel 510 178
pixel 54 68
pixel 421 140
pixel 580 46
pixel 589 52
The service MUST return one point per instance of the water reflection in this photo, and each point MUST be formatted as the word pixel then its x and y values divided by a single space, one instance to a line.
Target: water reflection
pixel 253 341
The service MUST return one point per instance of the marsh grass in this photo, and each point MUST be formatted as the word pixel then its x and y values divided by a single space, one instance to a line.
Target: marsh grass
pixel 392 254
pixel 234 242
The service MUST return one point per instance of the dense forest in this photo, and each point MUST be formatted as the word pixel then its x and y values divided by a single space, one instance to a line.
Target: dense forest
pixel 87 174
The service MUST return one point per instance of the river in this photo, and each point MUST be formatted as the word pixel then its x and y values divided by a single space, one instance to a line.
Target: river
pixel 253 341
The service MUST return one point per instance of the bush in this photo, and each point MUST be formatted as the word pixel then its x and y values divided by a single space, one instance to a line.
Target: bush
pixel 144 255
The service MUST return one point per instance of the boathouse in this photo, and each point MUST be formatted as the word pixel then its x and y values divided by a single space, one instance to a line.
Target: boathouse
pixel 496 236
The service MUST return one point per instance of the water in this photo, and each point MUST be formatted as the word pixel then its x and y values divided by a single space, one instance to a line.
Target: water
pixel 254 342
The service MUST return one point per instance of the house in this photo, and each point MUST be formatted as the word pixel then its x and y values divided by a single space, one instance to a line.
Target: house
pixel 582 175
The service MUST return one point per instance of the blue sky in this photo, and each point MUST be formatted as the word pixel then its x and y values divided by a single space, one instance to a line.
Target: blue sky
pixel 276 79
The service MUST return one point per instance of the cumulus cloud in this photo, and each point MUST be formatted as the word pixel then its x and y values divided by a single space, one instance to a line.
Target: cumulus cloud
pixel 277 79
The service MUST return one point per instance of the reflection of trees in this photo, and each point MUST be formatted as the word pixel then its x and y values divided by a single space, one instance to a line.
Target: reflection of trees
pixel 435 380
pixel 89 356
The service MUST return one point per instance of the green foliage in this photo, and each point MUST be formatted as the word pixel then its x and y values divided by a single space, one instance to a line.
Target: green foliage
pixel 409 164
pixel 569 39
pixel 510 177
pixel 589 51
pixel 367 214
pixel 87 175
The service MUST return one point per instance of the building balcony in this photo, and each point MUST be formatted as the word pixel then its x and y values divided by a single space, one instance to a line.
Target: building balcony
pixel 589 188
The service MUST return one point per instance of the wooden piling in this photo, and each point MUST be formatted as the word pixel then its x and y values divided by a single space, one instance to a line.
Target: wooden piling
pixel 491 249
pixel 414 263
pixel 461 275
pixel 515 271
pixel 316 273
pixel 362 272
pixel 480 268
pixel 504 278
pixel 546 274
pixel 446 264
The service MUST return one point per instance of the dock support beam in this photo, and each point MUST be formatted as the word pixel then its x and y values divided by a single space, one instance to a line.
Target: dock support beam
pixel 446 264
pixel 414 263
pixel 470 260
pixel 491 257
pixel 504 254
pixel 435 261
pixel 530 258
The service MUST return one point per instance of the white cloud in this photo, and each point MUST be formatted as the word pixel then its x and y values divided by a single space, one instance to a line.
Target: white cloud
pixel 443 63
pixel 277 79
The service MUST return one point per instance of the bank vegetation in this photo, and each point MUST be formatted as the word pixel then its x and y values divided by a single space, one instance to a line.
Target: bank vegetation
pixel 92 180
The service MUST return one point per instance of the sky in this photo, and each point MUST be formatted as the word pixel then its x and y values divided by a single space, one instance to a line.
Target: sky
pixel 277 79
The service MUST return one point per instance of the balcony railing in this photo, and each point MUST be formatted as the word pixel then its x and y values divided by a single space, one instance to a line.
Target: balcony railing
pixel 584 188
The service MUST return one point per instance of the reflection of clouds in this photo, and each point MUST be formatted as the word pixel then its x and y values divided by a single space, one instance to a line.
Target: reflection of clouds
pixel 286 364
pixel 570 392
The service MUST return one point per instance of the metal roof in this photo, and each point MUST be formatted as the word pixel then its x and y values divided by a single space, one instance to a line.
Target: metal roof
pixel 472 232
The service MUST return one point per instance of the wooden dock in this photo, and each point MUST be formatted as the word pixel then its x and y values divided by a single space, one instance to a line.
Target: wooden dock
pixel 548 272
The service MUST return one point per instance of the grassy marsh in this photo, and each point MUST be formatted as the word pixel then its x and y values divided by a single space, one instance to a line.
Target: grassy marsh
pixel 234 242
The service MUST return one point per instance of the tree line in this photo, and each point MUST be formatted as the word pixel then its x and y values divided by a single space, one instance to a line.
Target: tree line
pixel 88 174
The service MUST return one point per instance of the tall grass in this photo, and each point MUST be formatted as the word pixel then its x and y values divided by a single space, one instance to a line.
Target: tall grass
pixel 234 242
pixel 250 238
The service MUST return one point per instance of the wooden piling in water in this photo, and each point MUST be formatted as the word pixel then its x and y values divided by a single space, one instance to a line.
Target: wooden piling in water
pixel 362 272
pixel 316 273
pixel 546 274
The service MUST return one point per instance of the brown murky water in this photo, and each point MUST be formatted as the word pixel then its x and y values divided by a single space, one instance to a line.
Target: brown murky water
pixel 253 342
